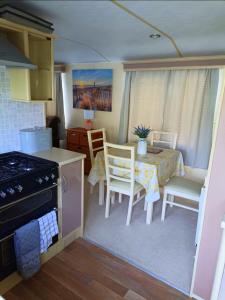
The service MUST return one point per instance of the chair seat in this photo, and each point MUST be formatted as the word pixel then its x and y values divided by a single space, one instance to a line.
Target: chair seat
pixel 184 187
pixel 124 187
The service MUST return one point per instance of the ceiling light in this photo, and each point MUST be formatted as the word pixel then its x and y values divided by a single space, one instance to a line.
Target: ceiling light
pixel 155 36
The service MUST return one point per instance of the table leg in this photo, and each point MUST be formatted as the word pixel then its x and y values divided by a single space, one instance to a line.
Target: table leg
pixel 149 213
pixel 101 192
pixel 91 189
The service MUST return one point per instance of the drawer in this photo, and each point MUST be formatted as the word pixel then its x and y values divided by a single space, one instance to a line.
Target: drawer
pixel 83 139
pixel 97 145
pixel 96 135
pixel 79 149
pixel 73 137
pixel 87 166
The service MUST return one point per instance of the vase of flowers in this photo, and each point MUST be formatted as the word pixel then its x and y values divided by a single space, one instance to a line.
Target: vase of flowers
pixel 142 132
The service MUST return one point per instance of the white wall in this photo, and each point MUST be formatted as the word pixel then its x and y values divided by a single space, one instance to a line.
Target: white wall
pixel 15 115
pixel 109 120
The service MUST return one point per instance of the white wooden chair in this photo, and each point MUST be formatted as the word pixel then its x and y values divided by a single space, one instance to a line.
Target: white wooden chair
pixel 163 139
pixel 96 140
pixel 183 188
pixel 124 184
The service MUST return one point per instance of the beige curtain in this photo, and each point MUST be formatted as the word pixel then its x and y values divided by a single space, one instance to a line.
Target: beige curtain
pixel 181 101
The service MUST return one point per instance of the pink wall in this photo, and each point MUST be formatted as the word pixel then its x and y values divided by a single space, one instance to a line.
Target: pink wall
pixel 215 210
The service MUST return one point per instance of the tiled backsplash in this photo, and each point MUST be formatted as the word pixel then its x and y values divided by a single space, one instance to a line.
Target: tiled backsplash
pixel 15 115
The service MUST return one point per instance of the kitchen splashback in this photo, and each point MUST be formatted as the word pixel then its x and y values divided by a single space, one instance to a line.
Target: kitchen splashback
pixel 15 115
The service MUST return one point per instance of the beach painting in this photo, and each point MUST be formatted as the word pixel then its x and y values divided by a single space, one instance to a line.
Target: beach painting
pixel 92 89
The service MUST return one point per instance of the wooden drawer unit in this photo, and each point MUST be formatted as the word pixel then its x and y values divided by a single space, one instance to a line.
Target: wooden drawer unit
pixel 77 141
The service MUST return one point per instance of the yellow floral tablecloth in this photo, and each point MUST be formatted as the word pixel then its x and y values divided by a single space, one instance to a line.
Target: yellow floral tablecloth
pixel 151 170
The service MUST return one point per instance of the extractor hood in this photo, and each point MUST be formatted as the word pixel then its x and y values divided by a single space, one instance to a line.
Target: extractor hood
pixel 11 56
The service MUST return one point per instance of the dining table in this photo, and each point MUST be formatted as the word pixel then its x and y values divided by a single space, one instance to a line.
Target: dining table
pixel 152 171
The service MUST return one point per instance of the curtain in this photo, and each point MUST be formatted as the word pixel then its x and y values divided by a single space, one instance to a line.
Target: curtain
pixel 124 112
pixel 181 101
pixel 59 105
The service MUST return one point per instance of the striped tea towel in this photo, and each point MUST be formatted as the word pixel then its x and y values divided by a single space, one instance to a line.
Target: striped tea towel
pixel 48 229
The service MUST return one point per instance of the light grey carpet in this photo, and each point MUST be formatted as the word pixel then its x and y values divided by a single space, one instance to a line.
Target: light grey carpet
pixel 164 250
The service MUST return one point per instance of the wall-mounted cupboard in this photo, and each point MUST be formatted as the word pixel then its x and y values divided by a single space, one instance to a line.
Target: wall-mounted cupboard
pixel 31 84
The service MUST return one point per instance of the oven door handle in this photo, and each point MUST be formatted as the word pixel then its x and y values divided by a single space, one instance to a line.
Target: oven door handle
pixel 12 234
pixel 5 207
pixel 22 215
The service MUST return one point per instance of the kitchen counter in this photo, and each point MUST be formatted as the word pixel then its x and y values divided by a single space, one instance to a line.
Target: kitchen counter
pixel 61 156
pixel 70 191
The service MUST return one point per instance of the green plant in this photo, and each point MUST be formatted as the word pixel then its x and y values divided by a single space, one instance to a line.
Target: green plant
pixel 141 131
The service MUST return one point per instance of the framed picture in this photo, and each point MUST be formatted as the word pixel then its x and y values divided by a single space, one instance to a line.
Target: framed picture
pixel 92 89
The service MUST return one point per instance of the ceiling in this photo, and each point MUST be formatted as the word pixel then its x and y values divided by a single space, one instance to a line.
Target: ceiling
pixel 100 31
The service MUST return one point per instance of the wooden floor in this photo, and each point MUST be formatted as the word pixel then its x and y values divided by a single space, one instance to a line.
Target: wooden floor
pixel 84 271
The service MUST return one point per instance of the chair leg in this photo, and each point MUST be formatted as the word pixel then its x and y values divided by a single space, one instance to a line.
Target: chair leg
pixel 101 192
pixel 107 207
pixel 145 205
pixel 164 206
pixel 171 200
pixel 149 212
pixel 91 189
pixel 120 198
pixel 130 207
pixel 113 195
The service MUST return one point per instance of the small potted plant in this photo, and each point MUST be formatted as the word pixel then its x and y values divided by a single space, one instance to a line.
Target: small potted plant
pixel 142 132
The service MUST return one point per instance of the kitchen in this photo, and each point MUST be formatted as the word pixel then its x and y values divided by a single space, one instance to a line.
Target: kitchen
pixel 33 187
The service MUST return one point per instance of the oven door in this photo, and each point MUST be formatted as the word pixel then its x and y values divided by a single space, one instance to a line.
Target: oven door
pixel 17 215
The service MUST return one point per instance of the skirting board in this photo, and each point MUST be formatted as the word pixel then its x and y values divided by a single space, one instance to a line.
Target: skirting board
pixel 13 279
pixel 72 237
pixel 197 297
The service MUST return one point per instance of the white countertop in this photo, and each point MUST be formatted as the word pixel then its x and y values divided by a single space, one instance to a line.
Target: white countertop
pixel 61 156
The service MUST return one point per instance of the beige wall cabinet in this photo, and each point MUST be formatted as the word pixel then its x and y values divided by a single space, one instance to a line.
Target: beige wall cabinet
pixel 26 84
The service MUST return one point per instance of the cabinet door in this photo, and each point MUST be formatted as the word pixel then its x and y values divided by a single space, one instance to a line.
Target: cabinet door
pixel 71 177
pixel 19 77
pixel 41 79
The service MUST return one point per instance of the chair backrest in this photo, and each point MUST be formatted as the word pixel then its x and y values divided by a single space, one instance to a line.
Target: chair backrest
pixel 164 139
pixel 96 139
pixel 119 163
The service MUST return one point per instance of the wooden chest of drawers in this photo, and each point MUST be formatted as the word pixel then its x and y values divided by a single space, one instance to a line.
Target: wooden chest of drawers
pixel 77 141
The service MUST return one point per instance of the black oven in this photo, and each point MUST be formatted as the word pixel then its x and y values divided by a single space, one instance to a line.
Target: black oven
pixel 16 215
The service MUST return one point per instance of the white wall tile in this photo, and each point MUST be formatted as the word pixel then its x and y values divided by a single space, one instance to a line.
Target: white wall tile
pixel 15 115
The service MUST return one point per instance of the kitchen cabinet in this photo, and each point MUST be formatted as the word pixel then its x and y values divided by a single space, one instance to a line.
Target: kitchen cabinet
pixel 71 194
pixel 77 141
pixel 26 84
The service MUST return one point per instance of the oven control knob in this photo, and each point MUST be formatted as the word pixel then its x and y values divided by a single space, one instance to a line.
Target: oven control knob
pixel 19 188
pixel 39 180
pixel 11 191
pixel 52 176
pixel 2 194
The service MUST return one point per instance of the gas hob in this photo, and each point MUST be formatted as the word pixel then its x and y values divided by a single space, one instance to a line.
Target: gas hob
pixel 22 174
